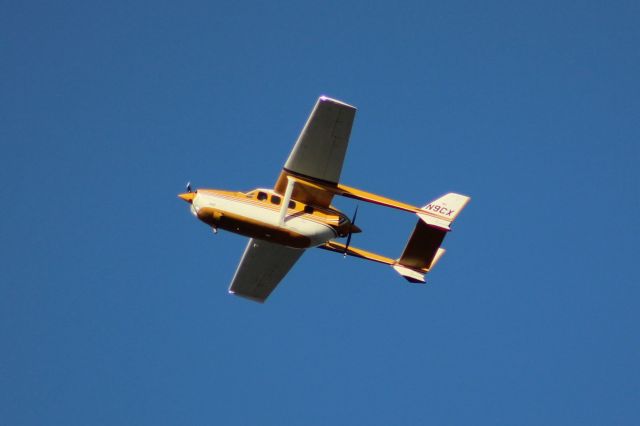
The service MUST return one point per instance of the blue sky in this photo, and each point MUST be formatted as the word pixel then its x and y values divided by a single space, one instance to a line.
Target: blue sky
pixel 113 298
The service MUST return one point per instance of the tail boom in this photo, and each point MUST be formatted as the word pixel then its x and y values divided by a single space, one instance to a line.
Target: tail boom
pixel 356 252
pixel 423 249
pixel 411 274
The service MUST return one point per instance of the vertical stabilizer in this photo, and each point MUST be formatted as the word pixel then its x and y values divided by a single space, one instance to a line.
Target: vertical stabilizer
pixel 443 211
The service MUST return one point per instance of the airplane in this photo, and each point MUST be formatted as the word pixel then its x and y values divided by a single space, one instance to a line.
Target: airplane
pixel 297 214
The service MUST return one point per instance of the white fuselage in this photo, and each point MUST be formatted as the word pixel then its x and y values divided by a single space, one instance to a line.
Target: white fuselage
pixel 247 215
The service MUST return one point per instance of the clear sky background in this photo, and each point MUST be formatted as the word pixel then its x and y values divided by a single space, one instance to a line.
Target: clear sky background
pixel 113 298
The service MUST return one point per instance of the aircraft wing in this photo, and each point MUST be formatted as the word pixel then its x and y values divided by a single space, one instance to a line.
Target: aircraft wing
pixel 262 267
pixel 320 149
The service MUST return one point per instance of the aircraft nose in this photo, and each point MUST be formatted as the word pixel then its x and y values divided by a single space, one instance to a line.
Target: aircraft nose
pixel 188 196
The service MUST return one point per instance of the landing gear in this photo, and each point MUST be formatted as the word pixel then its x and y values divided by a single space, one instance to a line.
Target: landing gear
pixel 214 229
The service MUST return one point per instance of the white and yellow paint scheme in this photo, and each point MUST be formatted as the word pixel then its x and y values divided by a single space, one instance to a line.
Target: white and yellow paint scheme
pixel 263 215
pixel 297 213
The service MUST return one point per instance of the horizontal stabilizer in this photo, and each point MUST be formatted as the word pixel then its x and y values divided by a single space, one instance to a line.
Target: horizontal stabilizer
pixel 422 248
pixel 417 275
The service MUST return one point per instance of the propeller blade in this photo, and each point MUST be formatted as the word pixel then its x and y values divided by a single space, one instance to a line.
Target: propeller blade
pixel 189 187
pixel 353 222
pixel 346 247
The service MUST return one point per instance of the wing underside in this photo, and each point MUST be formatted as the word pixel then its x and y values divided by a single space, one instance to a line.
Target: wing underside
pixel 262 267
pixel 320 150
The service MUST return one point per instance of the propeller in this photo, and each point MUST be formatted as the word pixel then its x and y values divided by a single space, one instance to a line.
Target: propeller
pixel 353 222
pixel 189 195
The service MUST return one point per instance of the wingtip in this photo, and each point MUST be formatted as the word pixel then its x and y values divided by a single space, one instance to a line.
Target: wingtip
pixel 324 98
pixel 244 296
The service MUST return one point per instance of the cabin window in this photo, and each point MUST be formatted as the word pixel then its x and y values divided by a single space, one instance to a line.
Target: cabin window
pixel 292 204
pixel 275 199
pixel 261 196
pixel 308 209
